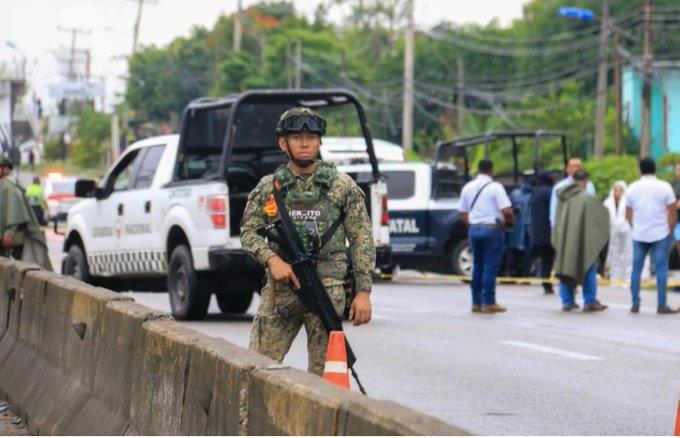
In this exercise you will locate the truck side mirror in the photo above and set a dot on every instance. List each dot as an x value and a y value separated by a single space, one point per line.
86 188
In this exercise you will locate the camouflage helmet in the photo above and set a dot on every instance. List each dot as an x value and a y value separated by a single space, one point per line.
298 119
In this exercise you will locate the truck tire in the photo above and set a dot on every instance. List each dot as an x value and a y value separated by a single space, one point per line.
75 264
460 258
234 302
189 298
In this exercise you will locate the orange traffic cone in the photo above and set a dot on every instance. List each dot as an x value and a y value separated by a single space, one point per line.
335 370
676 432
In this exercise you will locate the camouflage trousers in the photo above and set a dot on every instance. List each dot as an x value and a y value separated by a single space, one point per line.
272 334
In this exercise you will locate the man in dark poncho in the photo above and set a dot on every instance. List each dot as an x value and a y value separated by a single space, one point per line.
22 238
581 232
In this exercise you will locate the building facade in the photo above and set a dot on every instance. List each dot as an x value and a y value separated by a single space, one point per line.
664 113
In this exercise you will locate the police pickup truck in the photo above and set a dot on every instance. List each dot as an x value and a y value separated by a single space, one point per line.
170 207
426 232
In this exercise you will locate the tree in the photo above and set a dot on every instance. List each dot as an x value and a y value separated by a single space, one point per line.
93 132
162 81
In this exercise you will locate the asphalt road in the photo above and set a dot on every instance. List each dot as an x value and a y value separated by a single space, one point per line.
531 371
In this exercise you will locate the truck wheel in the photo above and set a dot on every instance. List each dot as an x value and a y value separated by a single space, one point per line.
461 258
75 264
237 302
189 299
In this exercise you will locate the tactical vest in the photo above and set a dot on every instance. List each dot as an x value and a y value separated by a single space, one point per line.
313 214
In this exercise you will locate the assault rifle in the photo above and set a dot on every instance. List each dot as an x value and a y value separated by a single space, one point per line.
312 292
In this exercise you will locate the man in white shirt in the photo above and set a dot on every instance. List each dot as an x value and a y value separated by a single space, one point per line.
650 210
573 164
485 207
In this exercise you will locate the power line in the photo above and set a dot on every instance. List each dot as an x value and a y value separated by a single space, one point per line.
453 37
590 31
514 52
521 111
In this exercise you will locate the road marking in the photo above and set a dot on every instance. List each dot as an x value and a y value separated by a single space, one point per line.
558 351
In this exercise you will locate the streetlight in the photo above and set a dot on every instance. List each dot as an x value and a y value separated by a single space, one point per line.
600 106
576 13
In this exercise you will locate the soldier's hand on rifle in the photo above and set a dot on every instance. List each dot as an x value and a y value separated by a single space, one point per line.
360 309
282 272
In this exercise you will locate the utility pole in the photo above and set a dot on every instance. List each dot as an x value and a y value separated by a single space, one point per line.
289 57
238 27
344 81
409 43
138 20
460 96
618 137
646 84
74 31
601 104
263 50
298 64
88 62
115 139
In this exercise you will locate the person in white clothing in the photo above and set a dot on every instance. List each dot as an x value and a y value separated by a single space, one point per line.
620 252
650 210
485 207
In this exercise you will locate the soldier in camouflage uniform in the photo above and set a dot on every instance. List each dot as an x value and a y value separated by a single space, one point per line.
316 194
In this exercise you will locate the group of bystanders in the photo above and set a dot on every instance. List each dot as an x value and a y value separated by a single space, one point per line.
563 227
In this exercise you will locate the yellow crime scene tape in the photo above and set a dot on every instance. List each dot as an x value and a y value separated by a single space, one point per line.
515 280
424 276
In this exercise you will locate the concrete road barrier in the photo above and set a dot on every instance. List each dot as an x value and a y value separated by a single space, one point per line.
217 388
76 359
119 348
159 383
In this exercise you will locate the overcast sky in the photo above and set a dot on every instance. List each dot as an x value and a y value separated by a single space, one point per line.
32 27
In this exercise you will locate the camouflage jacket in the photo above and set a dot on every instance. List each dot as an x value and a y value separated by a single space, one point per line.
321 197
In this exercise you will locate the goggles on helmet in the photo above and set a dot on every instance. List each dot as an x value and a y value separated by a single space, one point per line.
301 122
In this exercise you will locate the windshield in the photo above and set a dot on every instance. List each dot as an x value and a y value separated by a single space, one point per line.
68 186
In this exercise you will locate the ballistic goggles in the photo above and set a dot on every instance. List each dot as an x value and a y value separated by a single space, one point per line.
300 119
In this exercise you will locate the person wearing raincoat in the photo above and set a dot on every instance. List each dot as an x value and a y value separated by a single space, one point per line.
21 236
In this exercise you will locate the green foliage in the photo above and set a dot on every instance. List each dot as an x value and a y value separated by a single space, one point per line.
238 73
412 155
609 169
669 159
52 149
93 131
507 85
162 81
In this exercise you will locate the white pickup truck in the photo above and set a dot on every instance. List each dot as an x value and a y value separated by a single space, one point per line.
171 206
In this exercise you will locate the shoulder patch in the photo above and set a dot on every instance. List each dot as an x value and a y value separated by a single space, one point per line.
263 187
